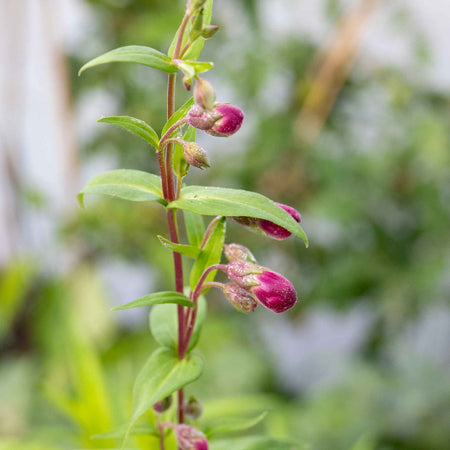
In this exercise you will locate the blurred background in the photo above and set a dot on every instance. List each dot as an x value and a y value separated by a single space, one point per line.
347 107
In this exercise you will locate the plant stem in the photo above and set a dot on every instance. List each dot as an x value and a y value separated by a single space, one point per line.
171 130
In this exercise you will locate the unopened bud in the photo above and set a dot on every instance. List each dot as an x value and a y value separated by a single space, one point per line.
201 119
241 299
195 155
190 438
204 94
193 408
275 231
163 405
229 123
236 252
243 273
187 82
209 31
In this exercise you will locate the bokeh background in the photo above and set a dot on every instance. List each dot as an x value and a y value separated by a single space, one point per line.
347 107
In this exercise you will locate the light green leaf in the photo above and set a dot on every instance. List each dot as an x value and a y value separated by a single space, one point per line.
196 48
179 114
190 134
158 298
187 250
135 54
136 430
231 424
162 375
214 201
195 228
164 324
135 126
126 184
210 254
252 443
200 66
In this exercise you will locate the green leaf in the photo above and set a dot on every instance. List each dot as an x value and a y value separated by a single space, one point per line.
158 298
164 324
200 66
214 201
187 250
252 443
179 114
196 48
135 54
135 126
162 375
231 424
190 134
126 184
136 430
210 254
195 228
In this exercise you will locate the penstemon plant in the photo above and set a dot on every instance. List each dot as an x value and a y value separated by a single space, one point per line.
177 316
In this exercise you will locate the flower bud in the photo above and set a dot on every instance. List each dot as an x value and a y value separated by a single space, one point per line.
204 94
163 405
230 121
275 231
193 408
209 31
195 155
236 252
241 299
271 289
200 118
190 438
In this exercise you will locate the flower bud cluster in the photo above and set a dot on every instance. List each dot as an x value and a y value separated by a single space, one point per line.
251 283
189 438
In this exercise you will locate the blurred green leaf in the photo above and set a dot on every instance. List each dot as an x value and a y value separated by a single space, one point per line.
164 324
252 443
136 430
134 54
135 126
126 184
200 66
162 375
210 254
216 201
158 298
195 228
187 250
231 424
178 115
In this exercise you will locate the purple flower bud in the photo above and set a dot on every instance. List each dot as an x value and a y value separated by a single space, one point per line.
163 405
193 408
275 231
200 118
241 299
190 438
229 123
195 155
270 288
236 252
204 94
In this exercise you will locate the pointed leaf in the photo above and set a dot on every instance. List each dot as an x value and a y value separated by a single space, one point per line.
200 66
210 255
164 324
162 375
231 424
126 184
135 126
179 114
195 228
158 298
196 48
134 54
213 201
187 250
137 430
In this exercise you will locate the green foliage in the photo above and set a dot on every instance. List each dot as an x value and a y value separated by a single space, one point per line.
195 228
134 54
216 201
126 184
164 325
179 114
186 250
135 126
252 443
231 424
158 298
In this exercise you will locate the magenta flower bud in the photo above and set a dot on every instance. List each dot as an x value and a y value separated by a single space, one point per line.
236 252
271 289
190 438
195 155
241 299
193 408
229 123
209 31
163 405
275 231
200 118
204 94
